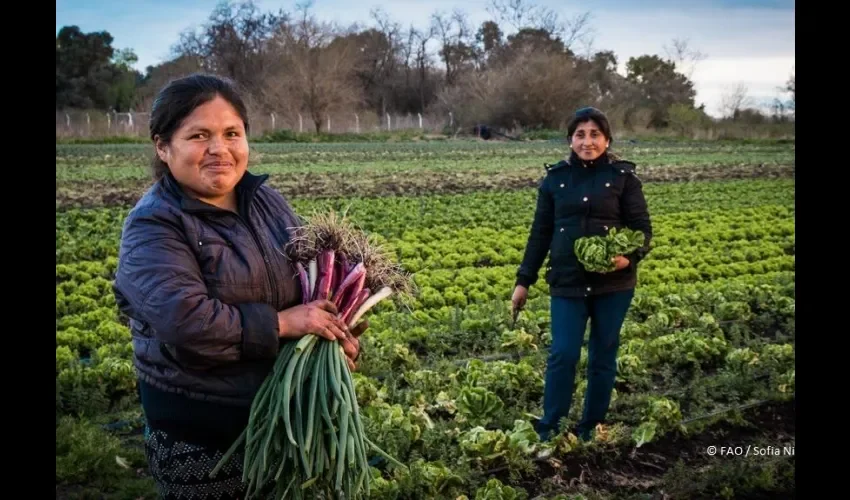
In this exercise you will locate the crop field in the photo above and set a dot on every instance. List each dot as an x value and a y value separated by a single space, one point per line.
446 385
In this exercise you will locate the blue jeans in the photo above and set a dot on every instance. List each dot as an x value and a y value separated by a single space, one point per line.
569 322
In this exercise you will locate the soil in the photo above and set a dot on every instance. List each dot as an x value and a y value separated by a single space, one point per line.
677 466
89 194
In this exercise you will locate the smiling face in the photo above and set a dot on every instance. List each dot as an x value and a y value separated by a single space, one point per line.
208 154
588 141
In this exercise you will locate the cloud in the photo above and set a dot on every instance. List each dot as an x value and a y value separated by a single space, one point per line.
740 45
720 33
749 41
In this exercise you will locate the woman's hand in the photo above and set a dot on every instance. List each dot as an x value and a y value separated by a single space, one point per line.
620 262
318 318
351 345
519 298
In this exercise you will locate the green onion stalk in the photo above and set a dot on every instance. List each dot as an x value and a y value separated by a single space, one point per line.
304 437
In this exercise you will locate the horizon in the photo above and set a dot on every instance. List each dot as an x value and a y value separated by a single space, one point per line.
745 42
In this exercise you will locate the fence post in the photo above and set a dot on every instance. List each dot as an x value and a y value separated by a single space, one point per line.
300 123
389 122
420 120
451 119
357 122
329 124
273 127
108 122
68 121
88 124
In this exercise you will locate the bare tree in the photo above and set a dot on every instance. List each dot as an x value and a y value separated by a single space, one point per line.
321 78
308 30
685 58
512 12
322 82
407 49
533 90
791 88
313 70
577 31
456 41
234 43
524 14
735 100
380 57
422 59
415 60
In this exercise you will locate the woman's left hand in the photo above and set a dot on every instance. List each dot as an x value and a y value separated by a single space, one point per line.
351 344
620 262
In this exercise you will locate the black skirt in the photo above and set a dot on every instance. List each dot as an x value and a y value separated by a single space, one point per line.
181 469
184 441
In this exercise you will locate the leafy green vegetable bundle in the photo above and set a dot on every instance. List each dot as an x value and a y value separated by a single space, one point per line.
596 253
304 437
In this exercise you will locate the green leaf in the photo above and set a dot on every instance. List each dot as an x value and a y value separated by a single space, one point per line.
644 433
596 253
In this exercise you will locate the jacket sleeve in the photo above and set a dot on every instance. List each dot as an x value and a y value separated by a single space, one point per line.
159 282
539 238
636 215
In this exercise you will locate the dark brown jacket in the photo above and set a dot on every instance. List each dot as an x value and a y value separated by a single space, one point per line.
203 286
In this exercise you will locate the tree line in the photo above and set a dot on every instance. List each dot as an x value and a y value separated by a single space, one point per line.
292 62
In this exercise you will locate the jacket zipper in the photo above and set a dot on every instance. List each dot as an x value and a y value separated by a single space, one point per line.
272 286
269 275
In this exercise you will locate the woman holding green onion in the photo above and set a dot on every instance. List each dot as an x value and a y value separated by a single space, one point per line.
587 194
207 288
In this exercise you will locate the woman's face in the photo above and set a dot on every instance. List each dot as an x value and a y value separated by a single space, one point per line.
208 154
588 141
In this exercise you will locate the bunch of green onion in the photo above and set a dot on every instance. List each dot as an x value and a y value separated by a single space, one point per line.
305 438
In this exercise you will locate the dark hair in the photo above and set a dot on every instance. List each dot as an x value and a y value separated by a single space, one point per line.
179 98
587 114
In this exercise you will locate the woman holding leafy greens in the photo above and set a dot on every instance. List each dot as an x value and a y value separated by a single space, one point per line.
585 197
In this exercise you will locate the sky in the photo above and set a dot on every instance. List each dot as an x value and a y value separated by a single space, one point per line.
743 42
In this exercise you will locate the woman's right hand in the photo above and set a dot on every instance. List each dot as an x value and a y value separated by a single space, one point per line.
318 318
519 298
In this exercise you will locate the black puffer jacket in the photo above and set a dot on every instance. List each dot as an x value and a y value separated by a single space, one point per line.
202 287
576 199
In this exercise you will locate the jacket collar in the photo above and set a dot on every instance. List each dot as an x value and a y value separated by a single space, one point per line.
246 190
574 159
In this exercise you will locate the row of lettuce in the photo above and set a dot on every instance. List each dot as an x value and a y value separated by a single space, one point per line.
687 351
450 387
93 234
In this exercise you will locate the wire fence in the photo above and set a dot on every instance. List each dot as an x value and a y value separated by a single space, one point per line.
94 124
91 124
